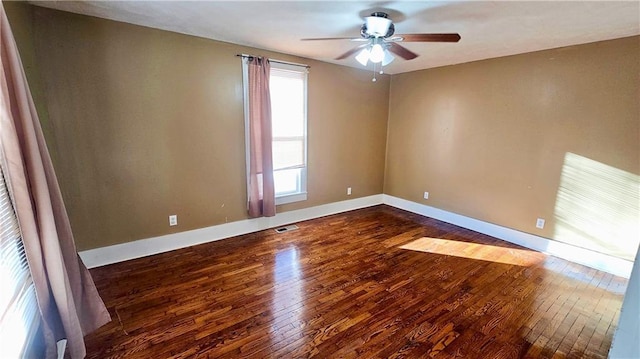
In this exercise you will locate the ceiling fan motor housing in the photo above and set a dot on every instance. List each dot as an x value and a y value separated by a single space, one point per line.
377 25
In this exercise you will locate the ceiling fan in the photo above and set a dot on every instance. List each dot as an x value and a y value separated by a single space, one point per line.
378 34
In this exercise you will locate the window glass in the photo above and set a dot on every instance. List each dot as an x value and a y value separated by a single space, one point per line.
288 121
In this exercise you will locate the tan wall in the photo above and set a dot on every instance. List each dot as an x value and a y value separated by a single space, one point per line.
488 139
148 123
20 15
145 123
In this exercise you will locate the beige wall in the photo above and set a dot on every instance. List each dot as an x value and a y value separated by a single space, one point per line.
144 123
488 139
20 15
148 123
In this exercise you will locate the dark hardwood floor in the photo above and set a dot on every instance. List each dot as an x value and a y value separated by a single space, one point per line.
342 286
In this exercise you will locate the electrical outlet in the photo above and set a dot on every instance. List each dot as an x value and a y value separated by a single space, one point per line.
540 223
348 191
426 195
173 220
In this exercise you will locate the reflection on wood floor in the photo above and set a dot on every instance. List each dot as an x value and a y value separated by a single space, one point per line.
342 286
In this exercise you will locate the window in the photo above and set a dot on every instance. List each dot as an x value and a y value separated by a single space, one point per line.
288 91
288 88
18 307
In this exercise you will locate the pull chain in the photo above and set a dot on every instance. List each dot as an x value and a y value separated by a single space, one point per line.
374 73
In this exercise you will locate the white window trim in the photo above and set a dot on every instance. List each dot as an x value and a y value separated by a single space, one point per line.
302 195
284 198
291 198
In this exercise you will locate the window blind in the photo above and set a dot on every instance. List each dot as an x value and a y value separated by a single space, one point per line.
18 306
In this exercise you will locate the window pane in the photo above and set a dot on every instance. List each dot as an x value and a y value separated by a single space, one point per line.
288 109
288 153
287 181
287 104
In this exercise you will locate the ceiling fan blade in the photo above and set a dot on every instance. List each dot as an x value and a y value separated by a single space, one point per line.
332 38
402 51
430 37
351 52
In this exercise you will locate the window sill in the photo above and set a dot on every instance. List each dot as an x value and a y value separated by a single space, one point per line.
290 198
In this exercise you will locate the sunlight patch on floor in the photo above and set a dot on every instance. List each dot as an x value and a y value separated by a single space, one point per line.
484 252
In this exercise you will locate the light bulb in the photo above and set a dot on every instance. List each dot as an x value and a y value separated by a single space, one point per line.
377 53
388 58
363 57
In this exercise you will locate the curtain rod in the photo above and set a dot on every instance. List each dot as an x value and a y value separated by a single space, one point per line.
278 61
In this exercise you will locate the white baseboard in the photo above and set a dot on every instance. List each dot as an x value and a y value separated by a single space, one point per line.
603 262
149 246
145 247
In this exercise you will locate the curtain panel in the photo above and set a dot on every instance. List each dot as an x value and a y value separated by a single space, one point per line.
68 301
261 191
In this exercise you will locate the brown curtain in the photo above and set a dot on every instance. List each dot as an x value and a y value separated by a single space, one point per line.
261 192
69 303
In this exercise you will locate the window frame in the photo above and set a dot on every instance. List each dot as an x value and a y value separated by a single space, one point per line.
301 194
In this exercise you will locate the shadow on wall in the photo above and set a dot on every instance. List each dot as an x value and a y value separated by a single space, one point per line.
598 207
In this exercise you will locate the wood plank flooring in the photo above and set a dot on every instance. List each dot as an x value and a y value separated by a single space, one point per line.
341 287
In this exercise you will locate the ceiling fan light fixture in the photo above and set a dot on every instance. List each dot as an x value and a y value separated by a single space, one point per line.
377 53
363 56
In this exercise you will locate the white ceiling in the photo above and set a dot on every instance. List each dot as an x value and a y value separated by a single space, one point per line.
488 28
